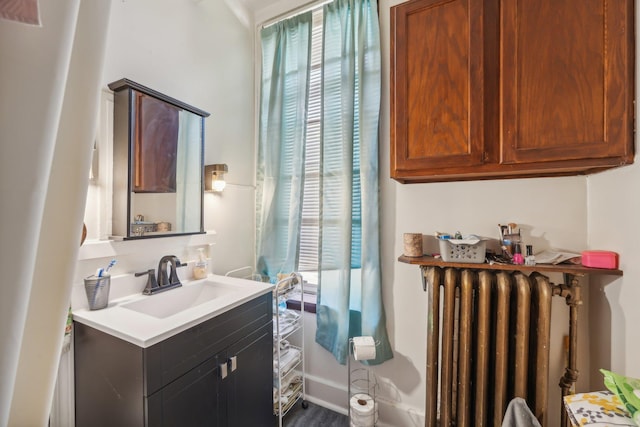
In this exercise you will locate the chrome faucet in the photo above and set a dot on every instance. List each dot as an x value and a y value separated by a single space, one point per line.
167 279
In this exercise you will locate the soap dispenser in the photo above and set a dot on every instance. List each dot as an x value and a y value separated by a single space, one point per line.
200 269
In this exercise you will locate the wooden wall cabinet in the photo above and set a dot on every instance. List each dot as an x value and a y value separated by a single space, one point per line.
486 89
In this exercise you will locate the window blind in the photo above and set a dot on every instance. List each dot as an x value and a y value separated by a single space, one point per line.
310 227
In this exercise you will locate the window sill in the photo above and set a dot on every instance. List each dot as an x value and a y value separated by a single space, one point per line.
309 303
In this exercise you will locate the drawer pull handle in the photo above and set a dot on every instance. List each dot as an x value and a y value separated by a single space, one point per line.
233 363
223 370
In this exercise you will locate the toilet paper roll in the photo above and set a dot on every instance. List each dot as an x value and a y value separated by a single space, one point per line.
363 410
364 348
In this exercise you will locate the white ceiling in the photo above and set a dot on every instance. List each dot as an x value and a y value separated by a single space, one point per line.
252 12
253 5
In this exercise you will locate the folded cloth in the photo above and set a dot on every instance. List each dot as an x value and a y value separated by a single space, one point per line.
289 314
287 322
284 348
287 382
287 395
283 353
288 361
600 408
519 415
285 281
285 327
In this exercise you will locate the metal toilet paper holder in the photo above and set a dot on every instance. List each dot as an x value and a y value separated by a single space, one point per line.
361 381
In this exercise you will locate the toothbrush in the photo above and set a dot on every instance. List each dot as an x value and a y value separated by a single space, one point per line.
111 264
102 271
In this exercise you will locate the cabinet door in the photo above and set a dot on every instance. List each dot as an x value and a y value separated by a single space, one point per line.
249 386
192 400
566 80
437 85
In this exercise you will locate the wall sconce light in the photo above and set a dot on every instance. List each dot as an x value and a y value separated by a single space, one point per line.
214 177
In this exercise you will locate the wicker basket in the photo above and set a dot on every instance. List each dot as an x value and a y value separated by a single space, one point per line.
454 252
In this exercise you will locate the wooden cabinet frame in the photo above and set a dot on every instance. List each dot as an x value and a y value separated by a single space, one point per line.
508 88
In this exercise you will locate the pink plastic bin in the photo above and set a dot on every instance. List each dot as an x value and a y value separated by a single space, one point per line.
600 259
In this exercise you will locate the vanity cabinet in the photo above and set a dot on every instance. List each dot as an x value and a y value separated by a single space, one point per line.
216 373
505 88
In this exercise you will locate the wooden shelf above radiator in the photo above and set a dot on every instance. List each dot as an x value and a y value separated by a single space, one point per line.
577 270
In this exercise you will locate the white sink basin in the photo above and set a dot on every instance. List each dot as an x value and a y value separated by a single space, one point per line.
180 299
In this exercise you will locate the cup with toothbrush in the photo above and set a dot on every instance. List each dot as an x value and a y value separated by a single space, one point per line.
97 287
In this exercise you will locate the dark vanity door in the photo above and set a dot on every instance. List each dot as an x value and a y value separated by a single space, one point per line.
249 384
207 396
192 400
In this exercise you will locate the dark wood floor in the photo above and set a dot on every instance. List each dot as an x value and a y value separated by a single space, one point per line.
314 416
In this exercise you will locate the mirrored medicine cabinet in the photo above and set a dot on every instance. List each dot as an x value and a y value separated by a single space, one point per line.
158 155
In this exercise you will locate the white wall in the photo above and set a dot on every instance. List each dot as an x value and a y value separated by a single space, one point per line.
183 50
614 209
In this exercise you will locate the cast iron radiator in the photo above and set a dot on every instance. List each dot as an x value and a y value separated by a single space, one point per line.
488 342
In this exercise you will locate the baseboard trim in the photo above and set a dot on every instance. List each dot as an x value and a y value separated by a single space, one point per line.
332 395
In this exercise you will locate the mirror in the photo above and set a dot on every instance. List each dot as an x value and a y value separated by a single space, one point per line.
158 152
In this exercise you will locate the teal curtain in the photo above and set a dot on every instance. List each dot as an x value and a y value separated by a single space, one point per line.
350 295
280 165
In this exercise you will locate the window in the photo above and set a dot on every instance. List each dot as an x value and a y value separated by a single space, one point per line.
320 104
308 261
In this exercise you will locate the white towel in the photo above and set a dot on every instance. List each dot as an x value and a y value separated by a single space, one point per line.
288 361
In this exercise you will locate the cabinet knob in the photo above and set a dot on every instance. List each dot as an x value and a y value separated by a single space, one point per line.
233 363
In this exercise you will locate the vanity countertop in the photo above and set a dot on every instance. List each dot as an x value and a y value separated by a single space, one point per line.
146 330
